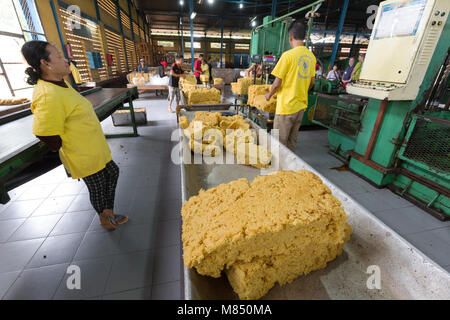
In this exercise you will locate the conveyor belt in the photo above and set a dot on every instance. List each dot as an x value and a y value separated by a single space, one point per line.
19 148
405 272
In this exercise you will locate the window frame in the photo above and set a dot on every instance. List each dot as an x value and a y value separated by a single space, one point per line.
36 15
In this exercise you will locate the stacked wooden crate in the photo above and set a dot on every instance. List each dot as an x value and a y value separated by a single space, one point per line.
143 51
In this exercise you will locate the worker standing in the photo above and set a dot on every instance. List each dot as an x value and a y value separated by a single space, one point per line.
143 67
175 74
255 67
162 73
347 76
357 69
66 122
333 75
294 77
210 70
162 69
205 70
198 68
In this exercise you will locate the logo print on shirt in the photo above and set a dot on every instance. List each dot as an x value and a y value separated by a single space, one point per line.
304 63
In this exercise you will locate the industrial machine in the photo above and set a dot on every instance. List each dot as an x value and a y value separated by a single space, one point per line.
270 38
402 139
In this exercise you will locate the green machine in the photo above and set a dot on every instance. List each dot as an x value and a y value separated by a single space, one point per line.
271 38
398 135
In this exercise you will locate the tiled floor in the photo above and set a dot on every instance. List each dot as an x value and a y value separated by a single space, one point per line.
50 225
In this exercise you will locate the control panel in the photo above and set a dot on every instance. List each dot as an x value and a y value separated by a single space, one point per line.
401 46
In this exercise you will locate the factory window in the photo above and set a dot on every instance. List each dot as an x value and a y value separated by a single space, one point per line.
115 48
84 39
19 22
109 6
131 55
197 45
216 45
125 20
242 46
168 44
345 50
135 31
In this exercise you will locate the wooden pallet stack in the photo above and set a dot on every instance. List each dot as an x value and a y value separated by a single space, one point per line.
158 54
143 50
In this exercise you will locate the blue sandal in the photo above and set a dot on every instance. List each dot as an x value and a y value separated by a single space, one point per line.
119 219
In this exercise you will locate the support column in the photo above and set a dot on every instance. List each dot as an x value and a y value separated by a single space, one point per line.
191 9
338 33
206 47
221 42
61 39
274 8
131 23
182 37
353 42
229 49
121 33
97 11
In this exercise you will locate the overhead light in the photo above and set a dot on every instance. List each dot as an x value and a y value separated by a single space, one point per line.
254 23
193 14
241 5
210 1
181 2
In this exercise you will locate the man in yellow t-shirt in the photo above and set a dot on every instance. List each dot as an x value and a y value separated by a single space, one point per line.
294 77
67 123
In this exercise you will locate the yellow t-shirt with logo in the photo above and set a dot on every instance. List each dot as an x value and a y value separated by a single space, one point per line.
64 112
296 67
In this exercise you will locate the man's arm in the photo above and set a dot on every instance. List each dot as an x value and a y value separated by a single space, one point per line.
311 85
176 75
274 88
53 142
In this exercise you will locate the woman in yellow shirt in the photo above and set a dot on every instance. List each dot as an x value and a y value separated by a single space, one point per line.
66 122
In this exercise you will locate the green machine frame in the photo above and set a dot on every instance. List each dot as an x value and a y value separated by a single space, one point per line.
389 129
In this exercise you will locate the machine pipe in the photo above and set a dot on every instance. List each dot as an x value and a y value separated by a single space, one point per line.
191 9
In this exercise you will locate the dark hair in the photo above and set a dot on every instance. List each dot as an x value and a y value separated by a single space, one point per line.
201 56
298 30
179 57
362 55
33 52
